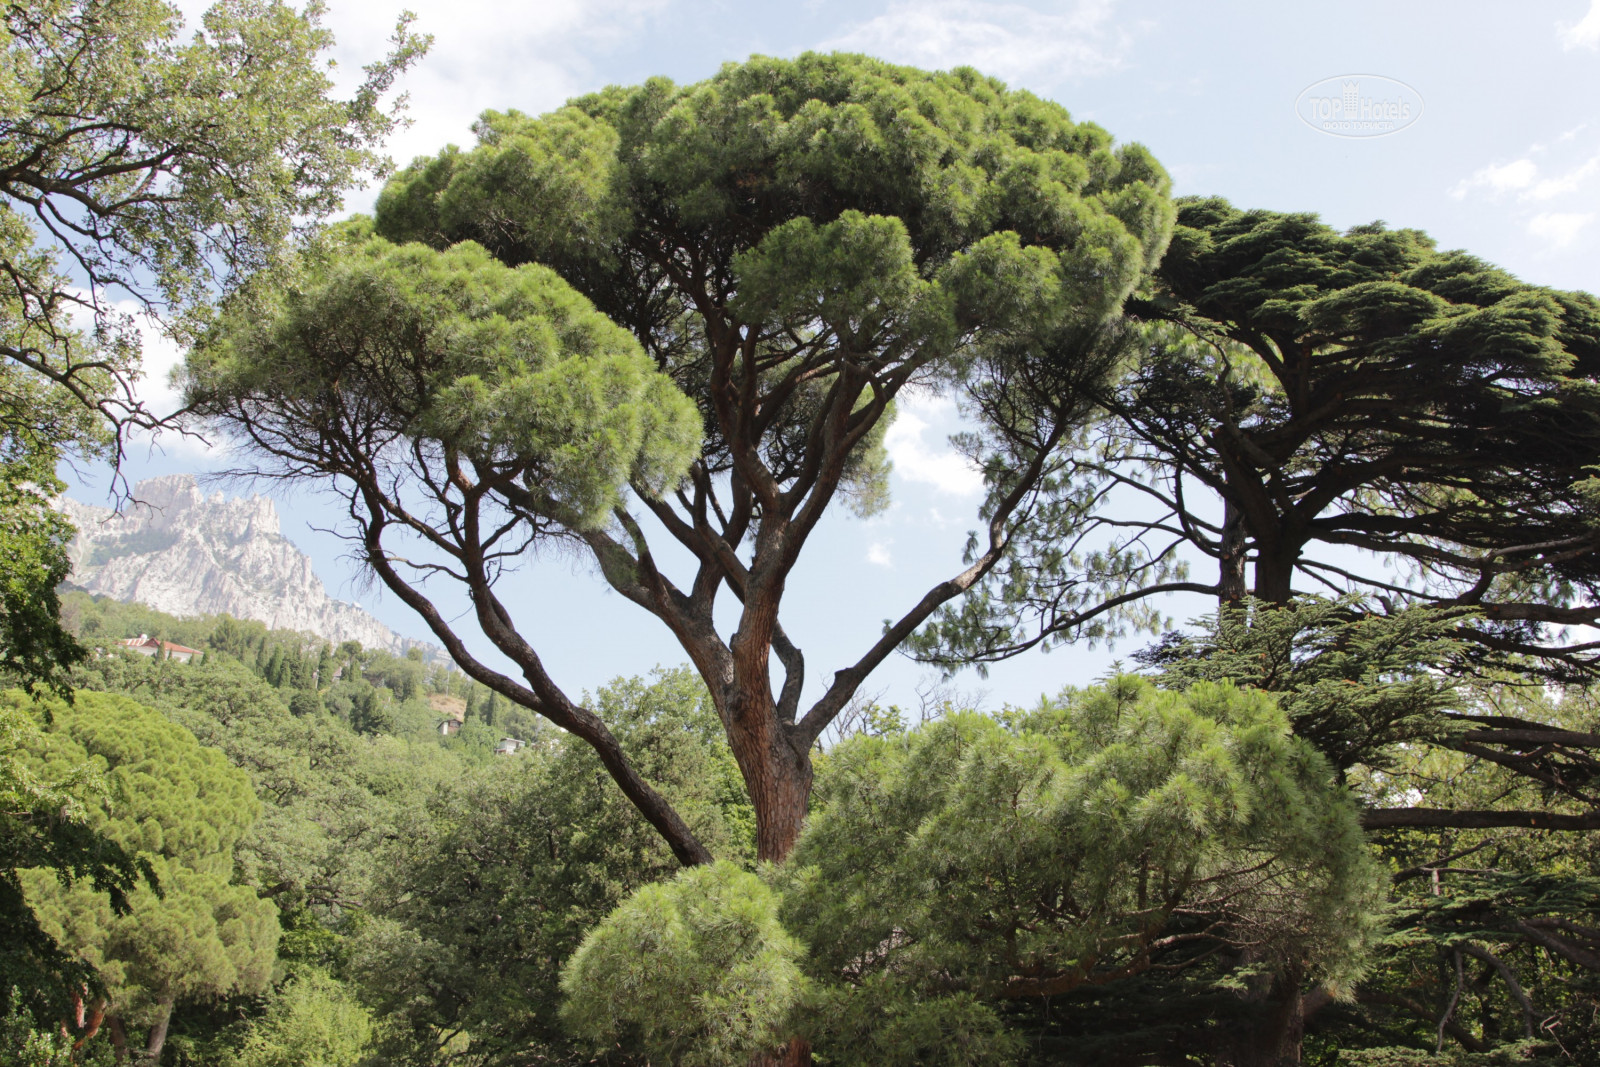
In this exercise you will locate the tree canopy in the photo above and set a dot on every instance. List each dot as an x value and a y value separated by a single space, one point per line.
791 243
139 173
143 171
45 826
695 971
664 330
1116 833
1304 393
430 891
182 808
489 888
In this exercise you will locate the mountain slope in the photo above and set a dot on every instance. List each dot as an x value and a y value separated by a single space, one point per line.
184 553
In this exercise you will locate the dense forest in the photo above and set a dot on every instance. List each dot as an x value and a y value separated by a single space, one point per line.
1346 818
353 887
339 806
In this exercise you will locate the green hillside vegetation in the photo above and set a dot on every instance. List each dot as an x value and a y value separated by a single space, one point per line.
1123 874
348 825
372 690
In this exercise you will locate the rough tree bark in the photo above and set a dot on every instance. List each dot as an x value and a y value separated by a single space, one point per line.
1271 1035
158 1031
1231 583
119 1038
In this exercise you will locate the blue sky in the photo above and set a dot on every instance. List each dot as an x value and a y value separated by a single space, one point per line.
1504 161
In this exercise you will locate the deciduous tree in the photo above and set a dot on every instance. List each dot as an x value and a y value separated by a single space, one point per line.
488 888
142 167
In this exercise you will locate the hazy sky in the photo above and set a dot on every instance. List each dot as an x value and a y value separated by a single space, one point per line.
1504 161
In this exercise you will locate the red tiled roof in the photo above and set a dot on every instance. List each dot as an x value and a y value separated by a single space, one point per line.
150 642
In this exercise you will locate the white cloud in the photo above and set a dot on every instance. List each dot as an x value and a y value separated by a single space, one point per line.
1518 174
1009 40
918 461
1565 183
532 57
1585 33
1559 228
159 357
878 554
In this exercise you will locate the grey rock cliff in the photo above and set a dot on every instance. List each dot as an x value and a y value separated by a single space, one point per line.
184 553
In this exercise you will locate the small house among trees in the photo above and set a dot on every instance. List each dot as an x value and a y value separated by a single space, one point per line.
146 645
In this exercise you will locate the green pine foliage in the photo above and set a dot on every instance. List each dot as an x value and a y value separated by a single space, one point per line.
46 828
1490 947
1491 930
700 301
430 893
696 972
271 857
312 1019
494 880
513 363
331 800
1355 682
182 808
1116 832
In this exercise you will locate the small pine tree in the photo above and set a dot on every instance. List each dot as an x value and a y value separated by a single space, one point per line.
696 971
300 670
274 672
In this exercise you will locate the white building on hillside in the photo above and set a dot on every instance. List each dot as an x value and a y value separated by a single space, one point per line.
146 645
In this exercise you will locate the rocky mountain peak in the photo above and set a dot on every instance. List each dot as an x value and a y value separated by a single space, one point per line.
186 553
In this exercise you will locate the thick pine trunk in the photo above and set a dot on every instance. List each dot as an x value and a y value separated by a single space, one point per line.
1231 588
158 1032
779 783
778 780
1275 573
1273 1035
779 820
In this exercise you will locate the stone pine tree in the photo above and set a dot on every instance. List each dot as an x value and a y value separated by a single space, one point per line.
45 827
182 808
1120 876
697 304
